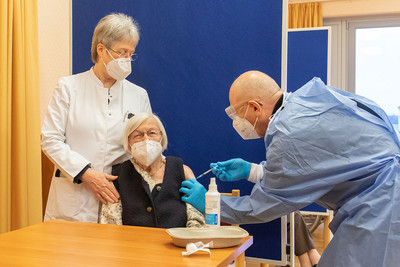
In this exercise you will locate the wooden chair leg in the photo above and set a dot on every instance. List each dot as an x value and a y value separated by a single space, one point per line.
327 231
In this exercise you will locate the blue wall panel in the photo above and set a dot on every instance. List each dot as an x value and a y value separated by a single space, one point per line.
190 52
307 57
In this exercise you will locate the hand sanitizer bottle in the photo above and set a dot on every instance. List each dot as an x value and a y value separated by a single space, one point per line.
213 200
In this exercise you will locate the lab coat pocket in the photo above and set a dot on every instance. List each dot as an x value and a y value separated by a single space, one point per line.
63 198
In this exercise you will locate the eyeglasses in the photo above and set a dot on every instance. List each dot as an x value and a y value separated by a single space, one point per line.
231 110
139 135
125 55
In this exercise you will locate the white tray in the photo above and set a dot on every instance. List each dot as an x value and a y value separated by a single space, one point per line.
222 237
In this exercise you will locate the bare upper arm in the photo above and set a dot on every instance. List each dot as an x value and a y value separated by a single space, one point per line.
188 172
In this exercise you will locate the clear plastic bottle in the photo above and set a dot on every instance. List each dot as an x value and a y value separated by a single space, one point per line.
213 201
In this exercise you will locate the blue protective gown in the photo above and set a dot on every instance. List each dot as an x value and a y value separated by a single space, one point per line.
324 147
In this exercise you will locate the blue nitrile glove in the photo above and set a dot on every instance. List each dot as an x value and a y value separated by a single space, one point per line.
231 170
196 194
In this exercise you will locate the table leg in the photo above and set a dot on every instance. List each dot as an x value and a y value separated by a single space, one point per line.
239 262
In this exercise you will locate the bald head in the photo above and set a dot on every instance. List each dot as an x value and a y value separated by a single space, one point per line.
254 85
261 94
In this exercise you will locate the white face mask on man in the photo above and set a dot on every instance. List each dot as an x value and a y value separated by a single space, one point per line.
146 152
244 128
118 68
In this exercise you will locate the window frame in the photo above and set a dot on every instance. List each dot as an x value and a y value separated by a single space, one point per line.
353 26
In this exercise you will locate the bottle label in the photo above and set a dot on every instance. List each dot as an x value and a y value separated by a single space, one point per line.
211 219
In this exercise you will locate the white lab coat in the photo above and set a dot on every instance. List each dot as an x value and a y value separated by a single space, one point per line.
83 127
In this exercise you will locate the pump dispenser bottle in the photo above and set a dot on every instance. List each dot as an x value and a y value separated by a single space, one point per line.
213 200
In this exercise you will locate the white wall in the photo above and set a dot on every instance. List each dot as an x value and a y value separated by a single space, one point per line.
353 8
54 46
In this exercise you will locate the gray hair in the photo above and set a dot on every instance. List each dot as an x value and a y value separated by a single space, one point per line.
112 28
135 122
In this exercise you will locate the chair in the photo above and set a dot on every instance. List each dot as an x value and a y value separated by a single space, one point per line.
234 193
327 218
327 232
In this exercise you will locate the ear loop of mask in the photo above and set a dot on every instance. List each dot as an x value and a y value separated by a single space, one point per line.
110 56
255 123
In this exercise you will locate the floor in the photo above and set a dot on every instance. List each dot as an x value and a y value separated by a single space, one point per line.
318 242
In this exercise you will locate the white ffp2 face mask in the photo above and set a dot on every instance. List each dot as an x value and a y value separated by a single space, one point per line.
244 128
146 151
118 68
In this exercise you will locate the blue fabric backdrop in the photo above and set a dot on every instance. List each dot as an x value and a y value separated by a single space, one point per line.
307 58
190 52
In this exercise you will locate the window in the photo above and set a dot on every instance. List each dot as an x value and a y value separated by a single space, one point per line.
366 60
377 67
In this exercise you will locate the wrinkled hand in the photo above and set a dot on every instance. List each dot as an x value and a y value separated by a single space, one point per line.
231 170
99 183
196 194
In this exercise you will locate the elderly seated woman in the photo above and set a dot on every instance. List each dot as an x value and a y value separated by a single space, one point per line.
149 183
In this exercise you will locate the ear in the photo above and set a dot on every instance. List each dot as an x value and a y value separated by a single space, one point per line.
255 106
100 49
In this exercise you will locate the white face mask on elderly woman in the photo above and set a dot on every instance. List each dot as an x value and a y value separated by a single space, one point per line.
146 152
118 68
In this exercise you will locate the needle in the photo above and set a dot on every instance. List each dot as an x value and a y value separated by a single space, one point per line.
204 173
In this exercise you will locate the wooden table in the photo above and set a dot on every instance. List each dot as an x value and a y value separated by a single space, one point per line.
61 243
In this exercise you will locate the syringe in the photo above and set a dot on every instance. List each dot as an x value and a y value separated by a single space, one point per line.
204 173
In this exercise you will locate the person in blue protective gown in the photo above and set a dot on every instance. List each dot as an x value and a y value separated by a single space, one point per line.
322 145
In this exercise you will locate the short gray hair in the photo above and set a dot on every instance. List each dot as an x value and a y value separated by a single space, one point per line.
112 28
135 122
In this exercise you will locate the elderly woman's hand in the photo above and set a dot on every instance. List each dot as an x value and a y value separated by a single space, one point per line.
100 185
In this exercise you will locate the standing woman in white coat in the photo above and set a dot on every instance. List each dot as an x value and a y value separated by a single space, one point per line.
85 120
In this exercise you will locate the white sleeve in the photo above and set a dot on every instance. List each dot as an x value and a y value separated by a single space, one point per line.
256 172
53 134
